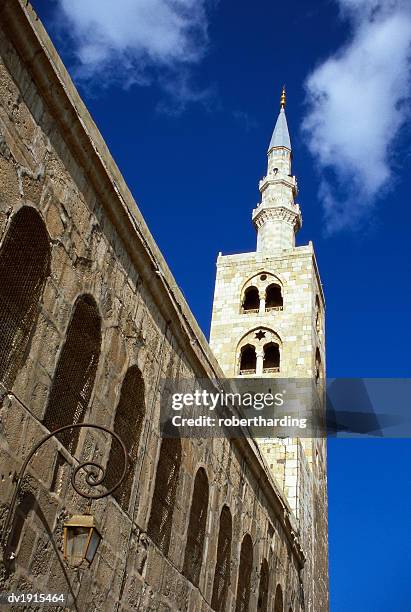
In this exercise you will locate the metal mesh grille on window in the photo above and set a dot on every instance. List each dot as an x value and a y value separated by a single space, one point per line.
263 588
222 568
128 424
162 507
244 575
24 268
196 528
75 373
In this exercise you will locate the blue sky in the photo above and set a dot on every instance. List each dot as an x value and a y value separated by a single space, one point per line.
186 102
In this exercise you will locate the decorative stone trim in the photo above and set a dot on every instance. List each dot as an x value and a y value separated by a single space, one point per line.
279 213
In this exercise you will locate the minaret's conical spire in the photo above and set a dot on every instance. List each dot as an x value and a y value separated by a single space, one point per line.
278 218
281 136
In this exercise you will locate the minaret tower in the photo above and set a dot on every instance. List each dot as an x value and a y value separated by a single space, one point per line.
278 218
268 322
275 290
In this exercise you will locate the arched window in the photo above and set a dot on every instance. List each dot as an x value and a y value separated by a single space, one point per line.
263 588
318 367
278 601
248 359
244 575
271 360
318 315
128 424
273 297
222 566
164 497
76 371
251 301
196 528
24 268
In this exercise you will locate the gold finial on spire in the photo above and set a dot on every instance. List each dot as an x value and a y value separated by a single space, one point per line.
283 98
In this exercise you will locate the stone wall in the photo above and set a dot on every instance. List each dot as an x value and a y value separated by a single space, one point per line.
54 160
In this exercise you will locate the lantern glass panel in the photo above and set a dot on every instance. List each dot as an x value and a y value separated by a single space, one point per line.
93 545
77 538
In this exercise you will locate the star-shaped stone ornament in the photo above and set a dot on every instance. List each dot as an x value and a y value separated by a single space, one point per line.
260 334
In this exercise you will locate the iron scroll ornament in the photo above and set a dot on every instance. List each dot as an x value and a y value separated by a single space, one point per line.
91 478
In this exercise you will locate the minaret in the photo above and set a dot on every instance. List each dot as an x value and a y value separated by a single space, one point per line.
278 218
268 322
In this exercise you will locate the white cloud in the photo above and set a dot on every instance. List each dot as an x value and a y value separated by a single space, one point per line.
137 41
358 99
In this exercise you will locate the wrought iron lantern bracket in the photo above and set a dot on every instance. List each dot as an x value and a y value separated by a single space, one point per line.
91 478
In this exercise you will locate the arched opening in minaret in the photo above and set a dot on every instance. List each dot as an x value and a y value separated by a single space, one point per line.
273 297
248 360
251 301
271 359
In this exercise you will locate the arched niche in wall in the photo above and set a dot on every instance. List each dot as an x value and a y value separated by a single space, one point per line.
223 562
74 377
128 424
25 256
278 601
244 575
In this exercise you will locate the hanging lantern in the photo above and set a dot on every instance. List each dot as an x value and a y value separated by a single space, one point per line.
81 539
